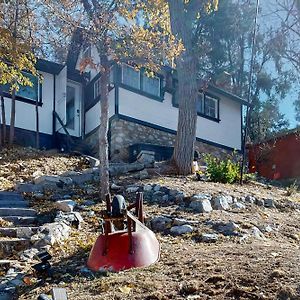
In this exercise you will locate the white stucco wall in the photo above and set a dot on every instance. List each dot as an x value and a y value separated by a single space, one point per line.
227 132
25 113
92 116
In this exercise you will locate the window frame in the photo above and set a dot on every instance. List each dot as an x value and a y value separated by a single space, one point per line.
139 77
97 88
203 115
140 90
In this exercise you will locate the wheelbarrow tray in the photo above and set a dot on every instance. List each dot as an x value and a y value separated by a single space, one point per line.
120 250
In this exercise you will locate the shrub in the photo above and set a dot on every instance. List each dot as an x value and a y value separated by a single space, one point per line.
225 171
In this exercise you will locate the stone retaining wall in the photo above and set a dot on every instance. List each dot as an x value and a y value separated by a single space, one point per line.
125 133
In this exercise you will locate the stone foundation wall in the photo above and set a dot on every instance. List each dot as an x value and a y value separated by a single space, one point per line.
124 134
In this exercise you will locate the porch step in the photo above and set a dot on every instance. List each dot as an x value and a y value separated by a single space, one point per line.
20 212
17 231
10 196
19 220
10 245
15 204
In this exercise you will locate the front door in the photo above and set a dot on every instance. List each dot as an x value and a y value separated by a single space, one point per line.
73 106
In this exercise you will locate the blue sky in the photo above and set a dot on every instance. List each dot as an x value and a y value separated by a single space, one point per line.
265 19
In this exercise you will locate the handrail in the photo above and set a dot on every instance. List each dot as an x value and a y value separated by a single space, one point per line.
63 126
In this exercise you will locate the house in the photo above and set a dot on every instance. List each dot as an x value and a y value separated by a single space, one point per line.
278 157
143 110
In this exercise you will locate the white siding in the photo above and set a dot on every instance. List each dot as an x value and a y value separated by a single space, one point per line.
92 116
96 60
25 113
227 132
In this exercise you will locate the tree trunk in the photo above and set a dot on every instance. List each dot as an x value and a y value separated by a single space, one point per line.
3 120
12 118
37 125
103 130
186 66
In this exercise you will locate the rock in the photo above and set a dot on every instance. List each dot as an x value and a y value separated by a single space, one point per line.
269 203
51 233
220 202
209 237
38 196
66 205
37 174
147 188
178 221
53 180
115 187
238 205
148 196
94 162
24 232
260 202
147 158
132 189
165 199
82 178
173 192
182 229
229 228
229 199
250 199
201 206
28 188
91 213
257 233
201 197
119 169
156 188
143 175
179 197
29 254
161 223
88 203
268 229
158 196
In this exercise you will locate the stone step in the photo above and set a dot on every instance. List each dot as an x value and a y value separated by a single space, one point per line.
11 196
18 220
10 245
21 212
18 231
15 204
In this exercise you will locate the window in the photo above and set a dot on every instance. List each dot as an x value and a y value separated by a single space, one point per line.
97 88
131 76
200 103
27 92
211 107
139 80
206 105
151 85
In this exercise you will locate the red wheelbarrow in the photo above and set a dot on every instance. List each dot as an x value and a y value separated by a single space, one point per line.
125 248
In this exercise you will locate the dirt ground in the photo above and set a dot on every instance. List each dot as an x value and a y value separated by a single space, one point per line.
19 164
231 268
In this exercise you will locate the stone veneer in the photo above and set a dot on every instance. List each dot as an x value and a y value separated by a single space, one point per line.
125 133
